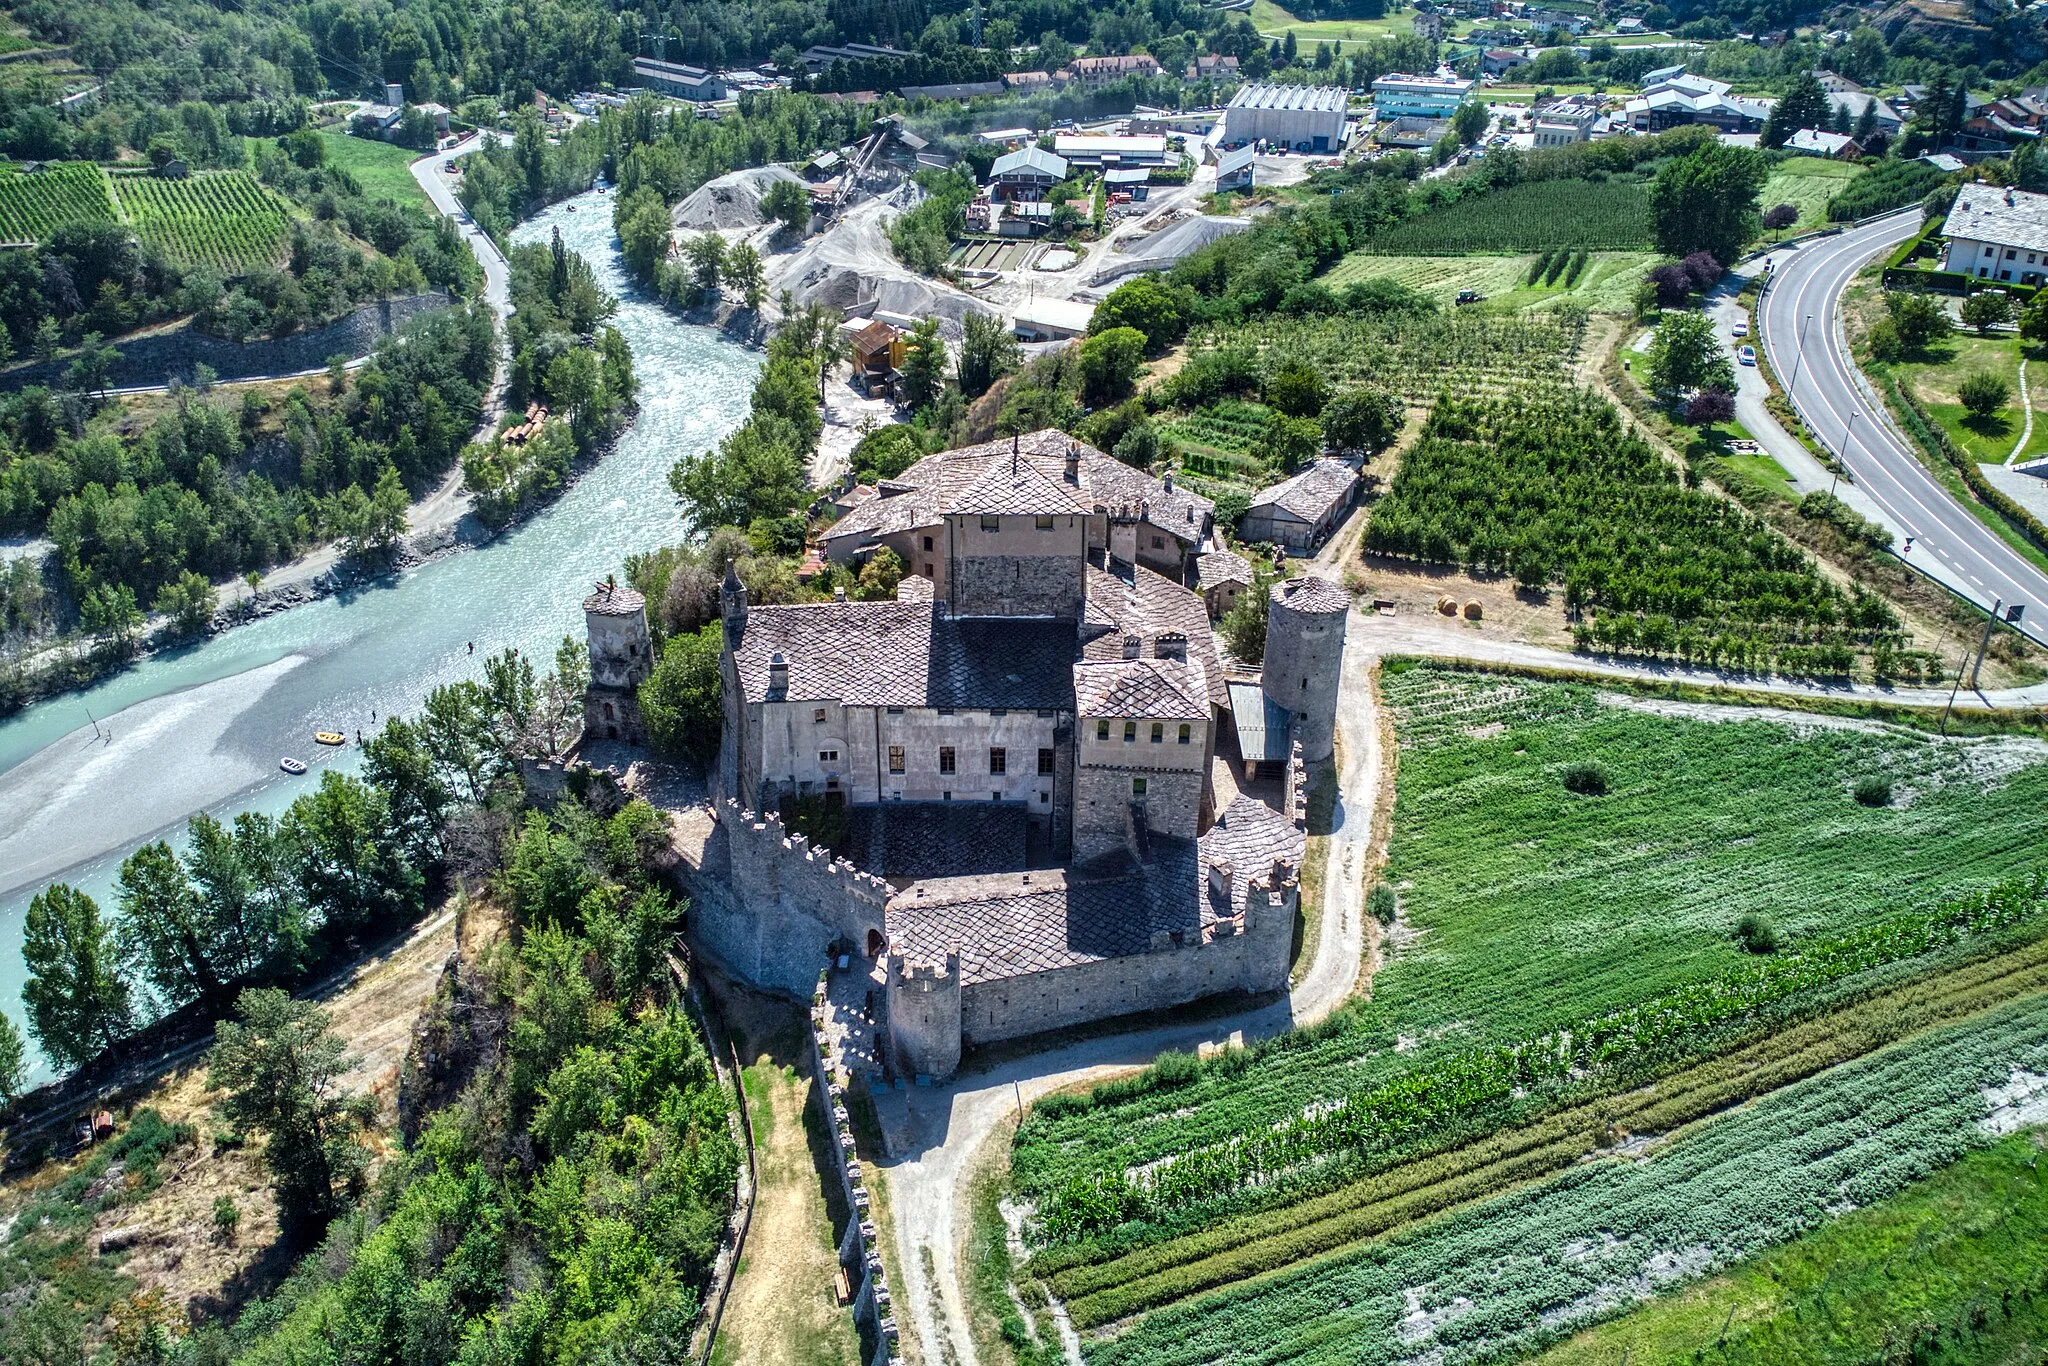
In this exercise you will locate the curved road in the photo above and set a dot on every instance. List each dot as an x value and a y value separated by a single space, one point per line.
1948 543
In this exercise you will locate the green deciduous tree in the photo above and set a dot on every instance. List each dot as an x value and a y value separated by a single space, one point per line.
341 851
924 364
78 1005
1706 201
1687 356
1916 316
755 472
787 202
1468 122
188 602
1110 362
987 353
1366 418
281 1068
743 272
680 701
1986 309
1154 305
706 253
1297 390
1983 393
12 1051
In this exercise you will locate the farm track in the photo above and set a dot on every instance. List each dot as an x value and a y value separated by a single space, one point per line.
1337 1222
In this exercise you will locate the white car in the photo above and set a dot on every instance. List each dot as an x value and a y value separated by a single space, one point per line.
1742 328
1747 355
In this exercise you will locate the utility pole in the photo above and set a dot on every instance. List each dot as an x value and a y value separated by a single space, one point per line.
1977 669
977 23
1843 458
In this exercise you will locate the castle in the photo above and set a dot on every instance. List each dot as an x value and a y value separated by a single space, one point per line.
1018 751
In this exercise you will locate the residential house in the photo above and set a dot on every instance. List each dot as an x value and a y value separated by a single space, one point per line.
1996 233
1092 71
1429 27
1499 61
1026 174
1220 577
1301 512
1821 143
1213 66
1848 106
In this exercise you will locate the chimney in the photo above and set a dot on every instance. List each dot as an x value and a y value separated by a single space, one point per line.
778 674
1170 645
1219 879
838 594
1133 645
1169 481
394 95
1073 462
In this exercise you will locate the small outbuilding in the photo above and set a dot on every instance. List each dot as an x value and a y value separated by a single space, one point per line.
1235 172
1301 512
1220 577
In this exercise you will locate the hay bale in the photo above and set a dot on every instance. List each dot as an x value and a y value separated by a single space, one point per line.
1473 610
1447 605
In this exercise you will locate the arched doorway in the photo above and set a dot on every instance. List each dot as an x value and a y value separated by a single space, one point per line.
876 944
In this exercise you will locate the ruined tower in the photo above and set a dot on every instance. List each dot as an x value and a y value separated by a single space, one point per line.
621 658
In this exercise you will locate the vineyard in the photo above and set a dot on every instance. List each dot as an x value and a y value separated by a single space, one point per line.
34 206
1550 487
1231 425
1602 215
1530 1265
1551 946
223 219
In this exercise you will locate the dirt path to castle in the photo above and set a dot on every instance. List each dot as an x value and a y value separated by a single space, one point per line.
935 1132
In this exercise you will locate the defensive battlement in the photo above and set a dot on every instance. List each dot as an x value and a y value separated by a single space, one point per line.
904 969
818 859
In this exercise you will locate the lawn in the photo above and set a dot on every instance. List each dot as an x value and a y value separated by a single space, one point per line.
380 167
1272 21
1933 378
1807 183
1972 1237
1608 284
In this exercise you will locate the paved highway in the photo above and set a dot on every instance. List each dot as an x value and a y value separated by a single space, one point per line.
1947 542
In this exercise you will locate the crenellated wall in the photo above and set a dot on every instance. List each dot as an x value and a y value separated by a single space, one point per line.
859 1254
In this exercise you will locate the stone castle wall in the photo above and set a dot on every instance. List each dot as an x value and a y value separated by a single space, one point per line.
860 1254
1016 586
769 904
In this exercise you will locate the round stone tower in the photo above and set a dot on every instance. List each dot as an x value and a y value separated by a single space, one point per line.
621 658
1304 658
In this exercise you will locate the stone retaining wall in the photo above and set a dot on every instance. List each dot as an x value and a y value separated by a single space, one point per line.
859 1254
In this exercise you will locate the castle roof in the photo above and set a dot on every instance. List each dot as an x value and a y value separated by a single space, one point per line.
1018 488
1153 689
1016 924
1134 601
1311 594
614 600
947 483
906 654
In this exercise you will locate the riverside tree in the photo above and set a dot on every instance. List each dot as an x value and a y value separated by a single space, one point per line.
78 1005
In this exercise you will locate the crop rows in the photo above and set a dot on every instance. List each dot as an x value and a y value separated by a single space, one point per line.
224 219
1530 907
1607 215
34 206
1237 1248
1420 358
1514 1272
1229 425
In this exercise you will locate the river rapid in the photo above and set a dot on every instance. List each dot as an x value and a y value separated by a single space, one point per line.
87 777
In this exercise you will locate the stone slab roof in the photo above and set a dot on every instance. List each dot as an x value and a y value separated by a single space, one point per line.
1151 689
937 484
906 654
1219 567
937 839
1018 488
1134 601
1016 924
1994 214
1311 594
1309 495
614 600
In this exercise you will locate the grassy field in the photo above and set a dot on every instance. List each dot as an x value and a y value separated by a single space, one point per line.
379 167
1807 183
33 206
1608 285
1934 377
223 219
1273 21
1972 1239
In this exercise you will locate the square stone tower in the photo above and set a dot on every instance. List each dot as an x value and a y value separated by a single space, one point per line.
621 658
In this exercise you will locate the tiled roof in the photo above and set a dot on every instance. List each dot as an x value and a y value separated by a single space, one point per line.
937 839
905 654
1311 594
2006 218
1310 494
1014 924
1152 689
1219 567
1135 601
937 482
614 600
1018 488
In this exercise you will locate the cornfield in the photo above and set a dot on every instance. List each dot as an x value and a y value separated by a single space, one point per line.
34 206
222 219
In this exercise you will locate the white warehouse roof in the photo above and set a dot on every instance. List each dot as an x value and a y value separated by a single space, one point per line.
1317 98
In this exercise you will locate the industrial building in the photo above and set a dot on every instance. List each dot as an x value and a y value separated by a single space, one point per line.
1307 118
673 78
1401 96
1089 150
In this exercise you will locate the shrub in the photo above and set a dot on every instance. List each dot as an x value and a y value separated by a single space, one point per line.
1383 903
1872 790
1587 778
1983 393
1709 406
1174 1068
1755 935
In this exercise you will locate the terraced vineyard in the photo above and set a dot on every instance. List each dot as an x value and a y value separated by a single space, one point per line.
34 206
1231 425
223 219
1556 950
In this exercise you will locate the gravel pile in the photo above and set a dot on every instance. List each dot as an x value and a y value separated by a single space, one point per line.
731 201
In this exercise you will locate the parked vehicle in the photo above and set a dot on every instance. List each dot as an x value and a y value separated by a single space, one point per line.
1747 355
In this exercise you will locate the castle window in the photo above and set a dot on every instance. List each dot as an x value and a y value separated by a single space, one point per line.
1186 732
995 796
1045 798
1304 684
946 796
1137 787
927 545
945 758
997 711
828 756
607 711
1102 729
895 758
1159 543
1045 761
895 711
817 715
990 522
1158 732
1042 523
945 711
998 759
1130 731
